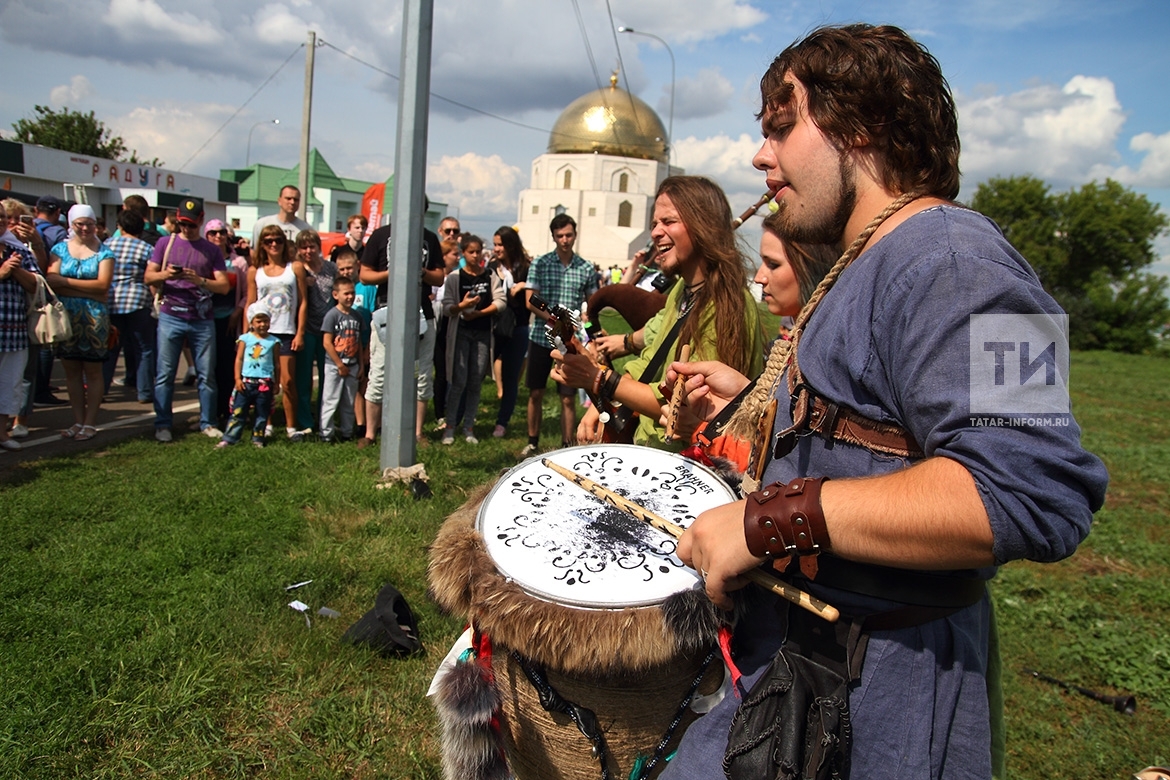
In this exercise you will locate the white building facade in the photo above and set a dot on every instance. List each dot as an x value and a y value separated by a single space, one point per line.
607 154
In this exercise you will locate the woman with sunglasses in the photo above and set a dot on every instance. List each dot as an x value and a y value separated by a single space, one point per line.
277 279
227 309
80 271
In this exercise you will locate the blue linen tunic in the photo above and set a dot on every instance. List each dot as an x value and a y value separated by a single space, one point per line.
891 341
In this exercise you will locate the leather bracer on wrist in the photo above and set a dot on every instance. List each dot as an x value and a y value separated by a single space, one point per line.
781 521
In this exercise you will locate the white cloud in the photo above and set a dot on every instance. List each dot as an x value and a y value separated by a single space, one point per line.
726 160
132 18
1060 135
707 93
174 133
690 21
476 187
1065 136
77 90
1154 170
275 24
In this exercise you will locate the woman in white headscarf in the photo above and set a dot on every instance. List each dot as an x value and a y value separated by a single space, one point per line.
80 271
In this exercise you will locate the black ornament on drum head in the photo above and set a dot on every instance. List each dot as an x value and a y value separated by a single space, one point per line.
562 544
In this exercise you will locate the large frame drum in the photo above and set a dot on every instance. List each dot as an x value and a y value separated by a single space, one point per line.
577 587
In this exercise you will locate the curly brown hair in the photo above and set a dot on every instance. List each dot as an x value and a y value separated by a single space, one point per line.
704 210
879 86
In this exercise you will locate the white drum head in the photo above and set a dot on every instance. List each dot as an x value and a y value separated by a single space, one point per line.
559 543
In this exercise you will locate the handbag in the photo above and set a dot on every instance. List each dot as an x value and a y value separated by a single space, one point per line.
158 296
48 320
505 323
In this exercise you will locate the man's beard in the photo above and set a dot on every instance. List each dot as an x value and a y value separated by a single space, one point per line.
823 226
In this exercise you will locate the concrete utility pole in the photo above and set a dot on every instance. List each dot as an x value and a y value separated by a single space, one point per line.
410 161
306 117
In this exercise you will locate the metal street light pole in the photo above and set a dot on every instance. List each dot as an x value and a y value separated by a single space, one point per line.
670 127
248 155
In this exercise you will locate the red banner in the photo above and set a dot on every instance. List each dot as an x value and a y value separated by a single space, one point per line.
373 206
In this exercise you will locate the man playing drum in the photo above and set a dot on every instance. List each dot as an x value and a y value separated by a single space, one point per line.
896 498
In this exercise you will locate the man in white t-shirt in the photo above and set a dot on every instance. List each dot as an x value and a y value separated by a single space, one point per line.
286 219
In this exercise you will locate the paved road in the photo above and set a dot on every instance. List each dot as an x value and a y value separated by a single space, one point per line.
121 417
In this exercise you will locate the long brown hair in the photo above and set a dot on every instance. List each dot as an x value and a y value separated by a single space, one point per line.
704 210
515 259
260 254
810 262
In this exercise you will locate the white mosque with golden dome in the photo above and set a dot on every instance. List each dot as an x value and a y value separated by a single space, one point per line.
607 154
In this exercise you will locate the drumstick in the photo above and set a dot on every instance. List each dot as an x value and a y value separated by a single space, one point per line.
677 396
774 584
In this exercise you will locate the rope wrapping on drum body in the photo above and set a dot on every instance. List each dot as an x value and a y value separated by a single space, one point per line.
583 718
586 721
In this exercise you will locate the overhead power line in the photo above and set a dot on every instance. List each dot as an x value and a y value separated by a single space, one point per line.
242 107
451 101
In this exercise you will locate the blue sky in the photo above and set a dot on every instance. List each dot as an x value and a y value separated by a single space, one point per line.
1066 90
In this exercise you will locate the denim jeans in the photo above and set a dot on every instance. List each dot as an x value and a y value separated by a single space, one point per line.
136 340
257 393
200 335
470 366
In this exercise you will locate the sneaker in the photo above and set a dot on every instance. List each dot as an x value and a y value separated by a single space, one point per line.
294 435
162 434
50 400
19 431
499 432
528 451
10 444
258 443
448 437
268 432
212 432
470 439
117 382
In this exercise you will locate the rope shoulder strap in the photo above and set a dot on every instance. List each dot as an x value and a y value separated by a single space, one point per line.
811 412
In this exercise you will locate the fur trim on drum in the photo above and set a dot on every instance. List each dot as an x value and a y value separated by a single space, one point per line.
464 581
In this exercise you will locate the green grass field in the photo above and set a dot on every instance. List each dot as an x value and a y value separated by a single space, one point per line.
144 630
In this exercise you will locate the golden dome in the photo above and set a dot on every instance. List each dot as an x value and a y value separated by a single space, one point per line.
609 121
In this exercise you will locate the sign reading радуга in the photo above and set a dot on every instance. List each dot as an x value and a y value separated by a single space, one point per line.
1019 369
